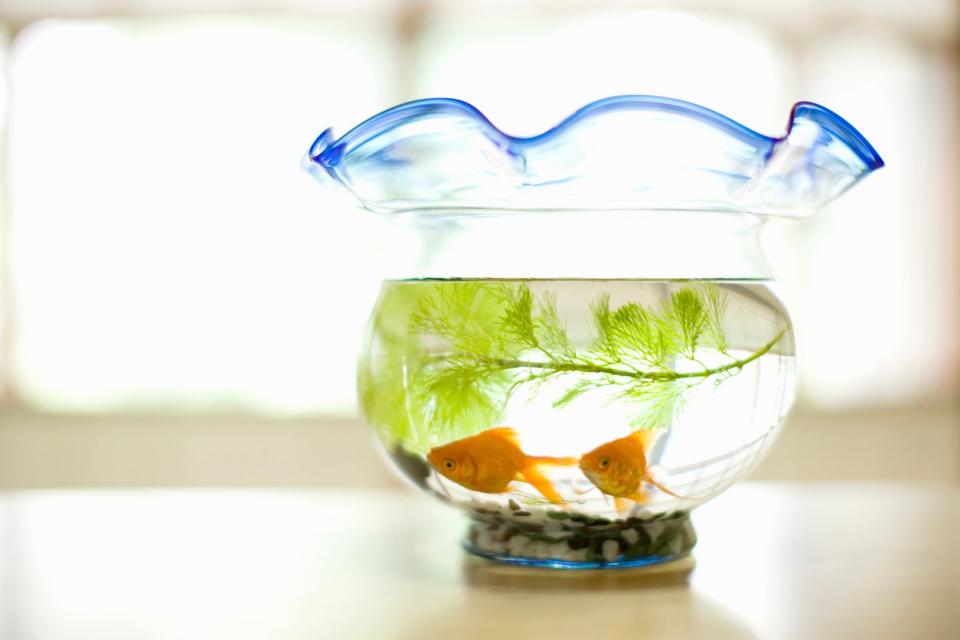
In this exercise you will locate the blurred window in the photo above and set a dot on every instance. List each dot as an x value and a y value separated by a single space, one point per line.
166 251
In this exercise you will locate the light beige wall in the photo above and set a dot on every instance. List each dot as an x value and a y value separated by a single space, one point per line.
144 451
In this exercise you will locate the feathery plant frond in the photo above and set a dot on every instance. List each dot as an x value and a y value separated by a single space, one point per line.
657 403
461 394
499 337
632 333
465 313
551 334
716 307
516 319
687 317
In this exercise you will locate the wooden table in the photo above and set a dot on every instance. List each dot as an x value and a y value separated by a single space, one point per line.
774 561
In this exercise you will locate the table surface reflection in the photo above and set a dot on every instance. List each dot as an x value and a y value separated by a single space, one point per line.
774 561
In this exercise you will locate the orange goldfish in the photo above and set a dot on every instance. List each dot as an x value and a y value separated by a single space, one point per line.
491 460
619 469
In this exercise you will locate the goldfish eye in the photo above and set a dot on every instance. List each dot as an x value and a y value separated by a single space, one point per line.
449 464
604 462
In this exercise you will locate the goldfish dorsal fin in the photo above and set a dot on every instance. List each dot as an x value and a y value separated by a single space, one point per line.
507 433
647 438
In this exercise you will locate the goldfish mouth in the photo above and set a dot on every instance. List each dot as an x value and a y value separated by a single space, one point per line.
438 479
591 476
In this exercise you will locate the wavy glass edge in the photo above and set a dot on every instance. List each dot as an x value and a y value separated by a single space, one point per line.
725 166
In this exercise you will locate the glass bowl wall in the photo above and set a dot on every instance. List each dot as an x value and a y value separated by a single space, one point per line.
578 389
577 339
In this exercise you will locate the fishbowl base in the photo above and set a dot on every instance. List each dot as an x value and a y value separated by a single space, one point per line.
569 540
553 563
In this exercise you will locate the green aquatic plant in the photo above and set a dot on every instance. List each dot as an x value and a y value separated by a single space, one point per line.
484 341
631 352
408 400
383 377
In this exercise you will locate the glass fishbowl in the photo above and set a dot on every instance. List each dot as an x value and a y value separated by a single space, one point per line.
577 340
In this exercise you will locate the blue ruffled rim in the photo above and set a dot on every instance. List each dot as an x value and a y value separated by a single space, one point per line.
838 126
327 152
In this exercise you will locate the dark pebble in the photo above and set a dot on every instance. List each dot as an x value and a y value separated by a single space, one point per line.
661 550
578 542
596 546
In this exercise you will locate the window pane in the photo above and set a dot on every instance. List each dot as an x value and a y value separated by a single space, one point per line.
168 249
528 71
880 287
5 289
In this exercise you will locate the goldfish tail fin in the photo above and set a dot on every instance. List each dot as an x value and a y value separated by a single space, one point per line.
556 462
541 483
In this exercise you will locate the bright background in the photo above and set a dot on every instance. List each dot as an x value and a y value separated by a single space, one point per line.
181 304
